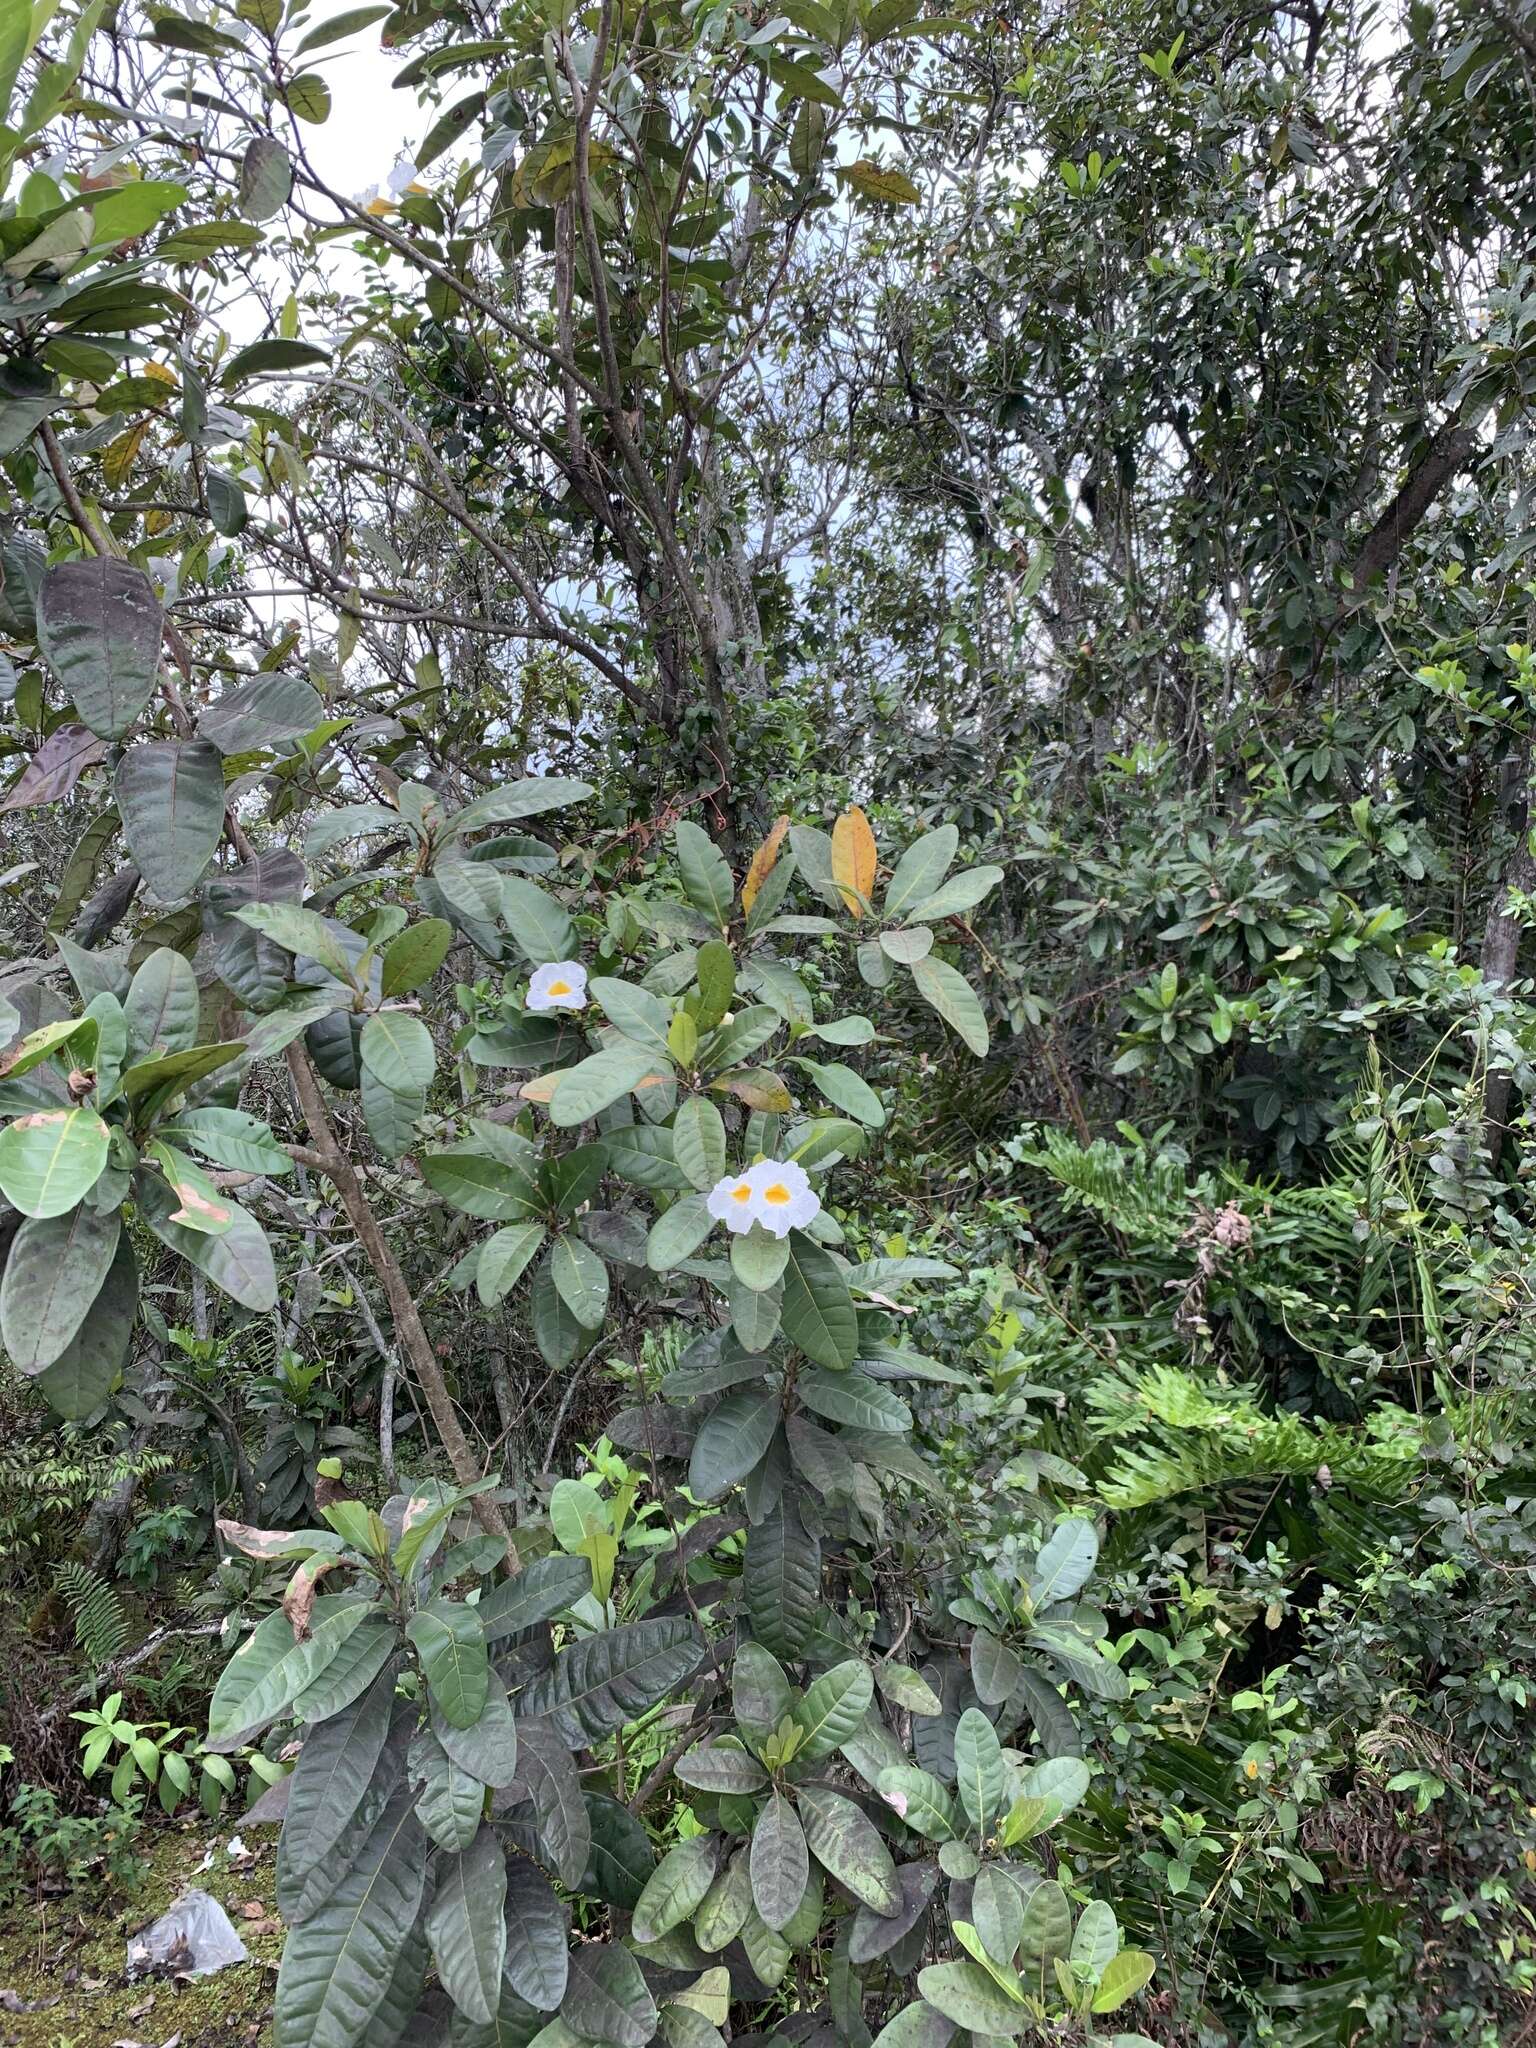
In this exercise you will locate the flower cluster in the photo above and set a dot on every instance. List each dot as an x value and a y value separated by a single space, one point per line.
776 1193
560 985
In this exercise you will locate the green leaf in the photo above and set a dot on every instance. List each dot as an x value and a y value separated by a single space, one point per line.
960 893
767 1952
848 1846
754 1316
782 1580
621 1857
487 1749
541 926
1082 1660
239 1262
607 2000
50 1158
504 1258
467 1928
596 1083
758 1259
847 1091
832 1708
413 956
83 1374
304 933
581 1279
760 1692
1065 1563
270 1669
450 1803
854 1401
920 870
1060 1783
170 796
1046 1929
918 2025
998 1913
99 624
266 178
698 1141
964 1993
707 880
634 1011
910 944
1096 1938
780 1865
955 1000
720 1767
994 1668
161 1006
906 1688
726 1907
397 1048
564 1830
675 1887
597 1683
530 798
1123 1977
352 821
731 1444
478 1185
979 1769
537 1964
920 1800
57 1267
347 23
818 1312
339 1962
543 1589
451 1645
229 1137
330 1783
677 1233
261 713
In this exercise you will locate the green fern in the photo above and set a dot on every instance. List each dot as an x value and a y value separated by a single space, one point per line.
100 1621
1192 1438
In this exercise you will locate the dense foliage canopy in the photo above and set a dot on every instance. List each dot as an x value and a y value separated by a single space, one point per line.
764 1156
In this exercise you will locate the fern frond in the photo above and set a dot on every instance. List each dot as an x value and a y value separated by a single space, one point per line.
100 1621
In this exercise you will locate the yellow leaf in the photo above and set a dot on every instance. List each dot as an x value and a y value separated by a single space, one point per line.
762 862
877 181
854 860
117 461
161 375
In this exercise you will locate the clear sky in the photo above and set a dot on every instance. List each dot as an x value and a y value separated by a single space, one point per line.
370 123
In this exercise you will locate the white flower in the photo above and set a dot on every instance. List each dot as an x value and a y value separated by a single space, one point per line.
402 177
733 1202
559 985
783 1198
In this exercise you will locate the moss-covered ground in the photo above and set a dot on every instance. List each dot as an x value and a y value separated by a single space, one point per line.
66 1958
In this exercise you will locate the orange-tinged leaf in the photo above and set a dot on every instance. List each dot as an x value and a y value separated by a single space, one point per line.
757 1087
539 1089
763 860
854 860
